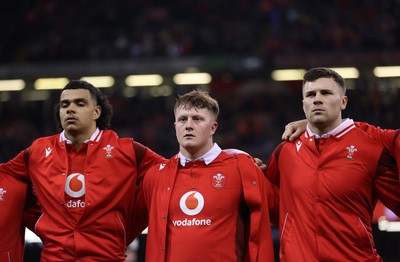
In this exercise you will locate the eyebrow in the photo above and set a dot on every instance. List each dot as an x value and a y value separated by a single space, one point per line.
76 100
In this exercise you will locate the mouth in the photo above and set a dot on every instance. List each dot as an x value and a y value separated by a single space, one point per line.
317 110
188 136
71 119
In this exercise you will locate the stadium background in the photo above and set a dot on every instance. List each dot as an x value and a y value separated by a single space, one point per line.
239 43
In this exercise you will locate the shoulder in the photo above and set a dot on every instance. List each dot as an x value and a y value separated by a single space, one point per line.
156 172
359 135
45 139
44 142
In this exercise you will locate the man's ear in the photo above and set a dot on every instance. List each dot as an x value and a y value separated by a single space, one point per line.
97 112
345 99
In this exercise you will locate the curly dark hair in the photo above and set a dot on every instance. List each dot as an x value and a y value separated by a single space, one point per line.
104 121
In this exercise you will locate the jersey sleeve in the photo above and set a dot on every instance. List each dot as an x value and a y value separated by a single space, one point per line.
32 210
17 167
145 159
387 185
272 170
389 138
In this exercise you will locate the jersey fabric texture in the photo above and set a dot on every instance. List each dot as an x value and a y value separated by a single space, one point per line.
388 137
12 199
327 198
217 211
18 209
113 167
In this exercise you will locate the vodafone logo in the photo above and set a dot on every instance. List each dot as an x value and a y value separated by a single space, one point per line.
192 203
75 185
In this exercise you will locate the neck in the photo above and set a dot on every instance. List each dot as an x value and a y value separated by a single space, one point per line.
77 139
194 154
322 128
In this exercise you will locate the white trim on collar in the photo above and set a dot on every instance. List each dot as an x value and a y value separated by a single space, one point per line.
95 137
207 157
339 131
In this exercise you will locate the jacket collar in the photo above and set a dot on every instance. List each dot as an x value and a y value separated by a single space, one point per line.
207 157
338 132
95 137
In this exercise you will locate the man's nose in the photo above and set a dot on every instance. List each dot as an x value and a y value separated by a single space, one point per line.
317 99
70 109
189 123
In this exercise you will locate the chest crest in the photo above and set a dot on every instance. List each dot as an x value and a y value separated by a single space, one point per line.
218 180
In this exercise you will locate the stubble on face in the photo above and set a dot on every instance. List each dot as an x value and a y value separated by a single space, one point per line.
323 101
194 130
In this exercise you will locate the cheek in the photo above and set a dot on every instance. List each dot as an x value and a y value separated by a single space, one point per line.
306 106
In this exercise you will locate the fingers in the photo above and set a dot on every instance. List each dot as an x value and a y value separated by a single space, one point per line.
260 164
288 133
297 133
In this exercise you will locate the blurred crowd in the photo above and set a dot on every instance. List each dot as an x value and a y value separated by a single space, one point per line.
30 30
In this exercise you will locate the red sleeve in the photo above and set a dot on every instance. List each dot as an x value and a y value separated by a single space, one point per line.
32 210
388 137
140 217
145 158
387 185
272 171
17 167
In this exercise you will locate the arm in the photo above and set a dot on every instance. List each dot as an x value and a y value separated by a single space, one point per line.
388 137
293 130
272 172
387 185
140 217
32 210
17 167
145 159
257 161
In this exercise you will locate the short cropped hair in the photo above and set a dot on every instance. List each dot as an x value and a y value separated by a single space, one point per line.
198 99
104 121
319 72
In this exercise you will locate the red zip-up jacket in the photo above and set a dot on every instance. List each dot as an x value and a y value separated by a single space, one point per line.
112 169
258 195
327 199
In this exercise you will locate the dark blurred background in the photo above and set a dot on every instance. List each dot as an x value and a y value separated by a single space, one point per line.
238 43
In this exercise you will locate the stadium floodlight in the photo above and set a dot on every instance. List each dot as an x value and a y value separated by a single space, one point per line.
144 80
12 85
387 71
50 83
100 81
288 74
192 78
347 72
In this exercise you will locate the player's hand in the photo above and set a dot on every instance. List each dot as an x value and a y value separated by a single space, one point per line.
260 164
293 130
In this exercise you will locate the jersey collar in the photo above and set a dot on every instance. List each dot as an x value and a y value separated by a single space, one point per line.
338 132
95 136
207 157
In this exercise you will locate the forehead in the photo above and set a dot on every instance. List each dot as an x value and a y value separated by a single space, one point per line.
73 94
322 83
183 110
